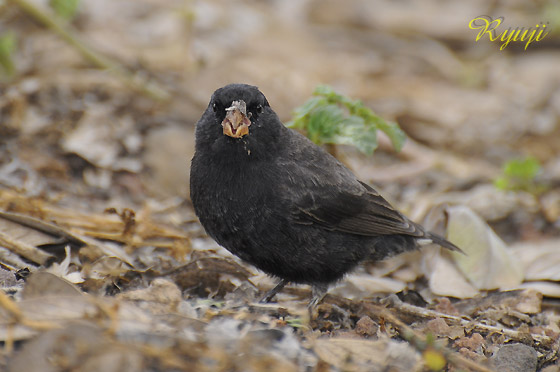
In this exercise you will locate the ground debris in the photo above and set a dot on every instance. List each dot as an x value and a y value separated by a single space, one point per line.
104 267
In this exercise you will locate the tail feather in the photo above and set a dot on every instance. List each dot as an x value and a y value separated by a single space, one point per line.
441 241
435 238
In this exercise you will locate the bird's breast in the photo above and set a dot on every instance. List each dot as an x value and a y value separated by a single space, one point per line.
228 195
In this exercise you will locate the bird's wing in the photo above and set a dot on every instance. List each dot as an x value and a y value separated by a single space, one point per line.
361 213
324 192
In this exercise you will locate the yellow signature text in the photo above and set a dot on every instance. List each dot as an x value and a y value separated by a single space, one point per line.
488 26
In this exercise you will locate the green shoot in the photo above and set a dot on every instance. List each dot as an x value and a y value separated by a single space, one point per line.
7 48
520 175
295 323
66 9
331 118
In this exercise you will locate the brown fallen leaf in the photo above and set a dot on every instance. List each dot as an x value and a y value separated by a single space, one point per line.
162 296
367 355
473 343
209 276
42 283
57 235
440 328
525 301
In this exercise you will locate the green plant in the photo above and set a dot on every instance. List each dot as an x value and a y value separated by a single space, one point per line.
295 322
7 48
331 118
520 175
65 9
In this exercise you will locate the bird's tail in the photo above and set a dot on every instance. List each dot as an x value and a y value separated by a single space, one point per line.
441 241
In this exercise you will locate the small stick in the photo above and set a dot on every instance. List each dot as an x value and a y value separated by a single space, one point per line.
23 249
417 340
426 313
51 21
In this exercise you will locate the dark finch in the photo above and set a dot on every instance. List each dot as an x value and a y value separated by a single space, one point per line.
276 200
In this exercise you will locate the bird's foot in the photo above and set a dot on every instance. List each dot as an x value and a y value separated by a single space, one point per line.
270 294
318 292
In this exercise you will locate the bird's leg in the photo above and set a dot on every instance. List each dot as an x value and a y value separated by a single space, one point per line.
318 292
270 294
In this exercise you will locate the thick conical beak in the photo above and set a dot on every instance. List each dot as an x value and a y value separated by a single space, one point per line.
236 123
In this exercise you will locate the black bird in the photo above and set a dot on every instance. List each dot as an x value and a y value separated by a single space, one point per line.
283 204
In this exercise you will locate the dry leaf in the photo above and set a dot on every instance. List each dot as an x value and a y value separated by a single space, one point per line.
367 355
43 283
488 264
541 259
163 296
444 278
365 285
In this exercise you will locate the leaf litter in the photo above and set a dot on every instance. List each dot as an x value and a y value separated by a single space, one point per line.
104 267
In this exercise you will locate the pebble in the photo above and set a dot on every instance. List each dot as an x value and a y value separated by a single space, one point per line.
515 358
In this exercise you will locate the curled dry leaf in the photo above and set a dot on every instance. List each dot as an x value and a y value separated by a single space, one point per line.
488 264
444 278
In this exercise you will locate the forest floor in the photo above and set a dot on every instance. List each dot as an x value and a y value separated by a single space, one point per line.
104 265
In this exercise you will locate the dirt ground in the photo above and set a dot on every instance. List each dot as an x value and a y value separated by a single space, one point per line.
103 263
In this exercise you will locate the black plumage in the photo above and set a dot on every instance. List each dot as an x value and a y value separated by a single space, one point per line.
276 200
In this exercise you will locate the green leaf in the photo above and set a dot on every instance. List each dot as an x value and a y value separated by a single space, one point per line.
520 175
331 118
323 122
354 131
301 113
394 132
7 48
501 183
525 169
65 8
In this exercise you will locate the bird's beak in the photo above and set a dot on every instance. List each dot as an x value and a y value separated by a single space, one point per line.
236 123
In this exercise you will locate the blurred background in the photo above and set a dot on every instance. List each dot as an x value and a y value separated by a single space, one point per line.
99 100
65 117
127 129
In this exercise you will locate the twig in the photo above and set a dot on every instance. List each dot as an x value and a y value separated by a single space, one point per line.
426 313
23 249
417 340
53 23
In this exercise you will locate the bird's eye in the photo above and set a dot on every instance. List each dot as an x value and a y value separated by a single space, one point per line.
214 107
259 109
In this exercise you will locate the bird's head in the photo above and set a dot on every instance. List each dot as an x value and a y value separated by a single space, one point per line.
238 114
